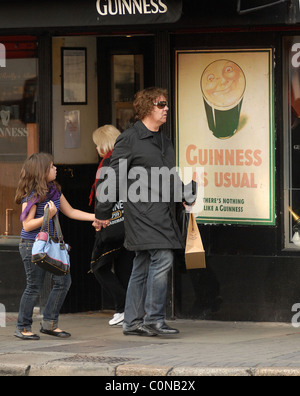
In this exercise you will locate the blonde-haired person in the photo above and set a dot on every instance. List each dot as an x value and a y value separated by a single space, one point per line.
112 263
105 138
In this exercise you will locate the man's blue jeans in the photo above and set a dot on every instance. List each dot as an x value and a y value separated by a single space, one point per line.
147 289
35 280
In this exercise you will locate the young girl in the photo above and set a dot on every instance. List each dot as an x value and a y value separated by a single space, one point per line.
36 190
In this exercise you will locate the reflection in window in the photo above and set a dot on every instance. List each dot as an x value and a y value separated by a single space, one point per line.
18 96
127 80
18 133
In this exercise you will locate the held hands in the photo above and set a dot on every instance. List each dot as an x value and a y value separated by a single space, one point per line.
99 224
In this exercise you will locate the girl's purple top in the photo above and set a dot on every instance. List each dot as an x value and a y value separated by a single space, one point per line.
39 213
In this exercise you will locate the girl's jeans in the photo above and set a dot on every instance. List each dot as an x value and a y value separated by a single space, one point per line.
35 280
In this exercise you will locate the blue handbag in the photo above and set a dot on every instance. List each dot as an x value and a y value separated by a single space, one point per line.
49 252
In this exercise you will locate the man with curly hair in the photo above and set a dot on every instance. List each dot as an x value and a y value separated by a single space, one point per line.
151 229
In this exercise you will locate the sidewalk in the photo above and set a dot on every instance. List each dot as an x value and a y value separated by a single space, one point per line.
202 348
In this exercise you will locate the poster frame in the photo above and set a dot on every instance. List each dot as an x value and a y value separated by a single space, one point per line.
270 218
73 87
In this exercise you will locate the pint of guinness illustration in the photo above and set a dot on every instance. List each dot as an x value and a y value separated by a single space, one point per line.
223 85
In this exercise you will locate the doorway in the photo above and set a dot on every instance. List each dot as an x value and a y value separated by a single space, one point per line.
125 66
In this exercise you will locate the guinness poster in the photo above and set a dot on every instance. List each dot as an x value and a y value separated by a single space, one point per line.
225 127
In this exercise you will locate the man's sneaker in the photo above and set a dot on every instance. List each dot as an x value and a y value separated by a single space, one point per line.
117 319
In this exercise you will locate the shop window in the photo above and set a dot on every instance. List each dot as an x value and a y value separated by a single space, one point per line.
18 125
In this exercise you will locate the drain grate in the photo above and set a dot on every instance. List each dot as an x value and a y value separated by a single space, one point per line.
94 359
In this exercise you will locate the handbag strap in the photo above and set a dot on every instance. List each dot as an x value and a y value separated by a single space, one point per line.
58 228
56 225
45 225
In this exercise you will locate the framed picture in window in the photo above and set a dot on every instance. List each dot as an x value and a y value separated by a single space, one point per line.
74 76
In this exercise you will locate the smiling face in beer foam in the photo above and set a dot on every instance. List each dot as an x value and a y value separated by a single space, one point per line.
223 83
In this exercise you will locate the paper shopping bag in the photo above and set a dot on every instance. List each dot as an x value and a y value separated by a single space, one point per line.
194 251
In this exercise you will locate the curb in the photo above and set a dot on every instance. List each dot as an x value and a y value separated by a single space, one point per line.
14 370
144 371
149 371
277 372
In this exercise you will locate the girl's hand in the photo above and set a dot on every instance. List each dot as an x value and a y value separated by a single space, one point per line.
99 224
52 209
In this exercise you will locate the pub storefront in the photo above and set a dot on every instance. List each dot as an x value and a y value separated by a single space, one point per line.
233 73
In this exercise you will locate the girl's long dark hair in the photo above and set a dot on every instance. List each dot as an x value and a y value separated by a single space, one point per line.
33 177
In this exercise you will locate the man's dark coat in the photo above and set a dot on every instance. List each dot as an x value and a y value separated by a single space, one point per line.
148 224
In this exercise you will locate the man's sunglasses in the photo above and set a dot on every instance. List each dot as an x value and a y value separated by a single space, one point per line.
162 104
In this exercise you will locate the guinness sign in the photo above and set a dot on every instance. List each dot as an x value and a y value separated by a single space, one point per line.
81 13
138 11
131 7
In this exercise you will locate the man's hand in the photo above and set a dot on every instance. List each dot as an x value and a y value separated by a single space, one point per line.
188 208
98 224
